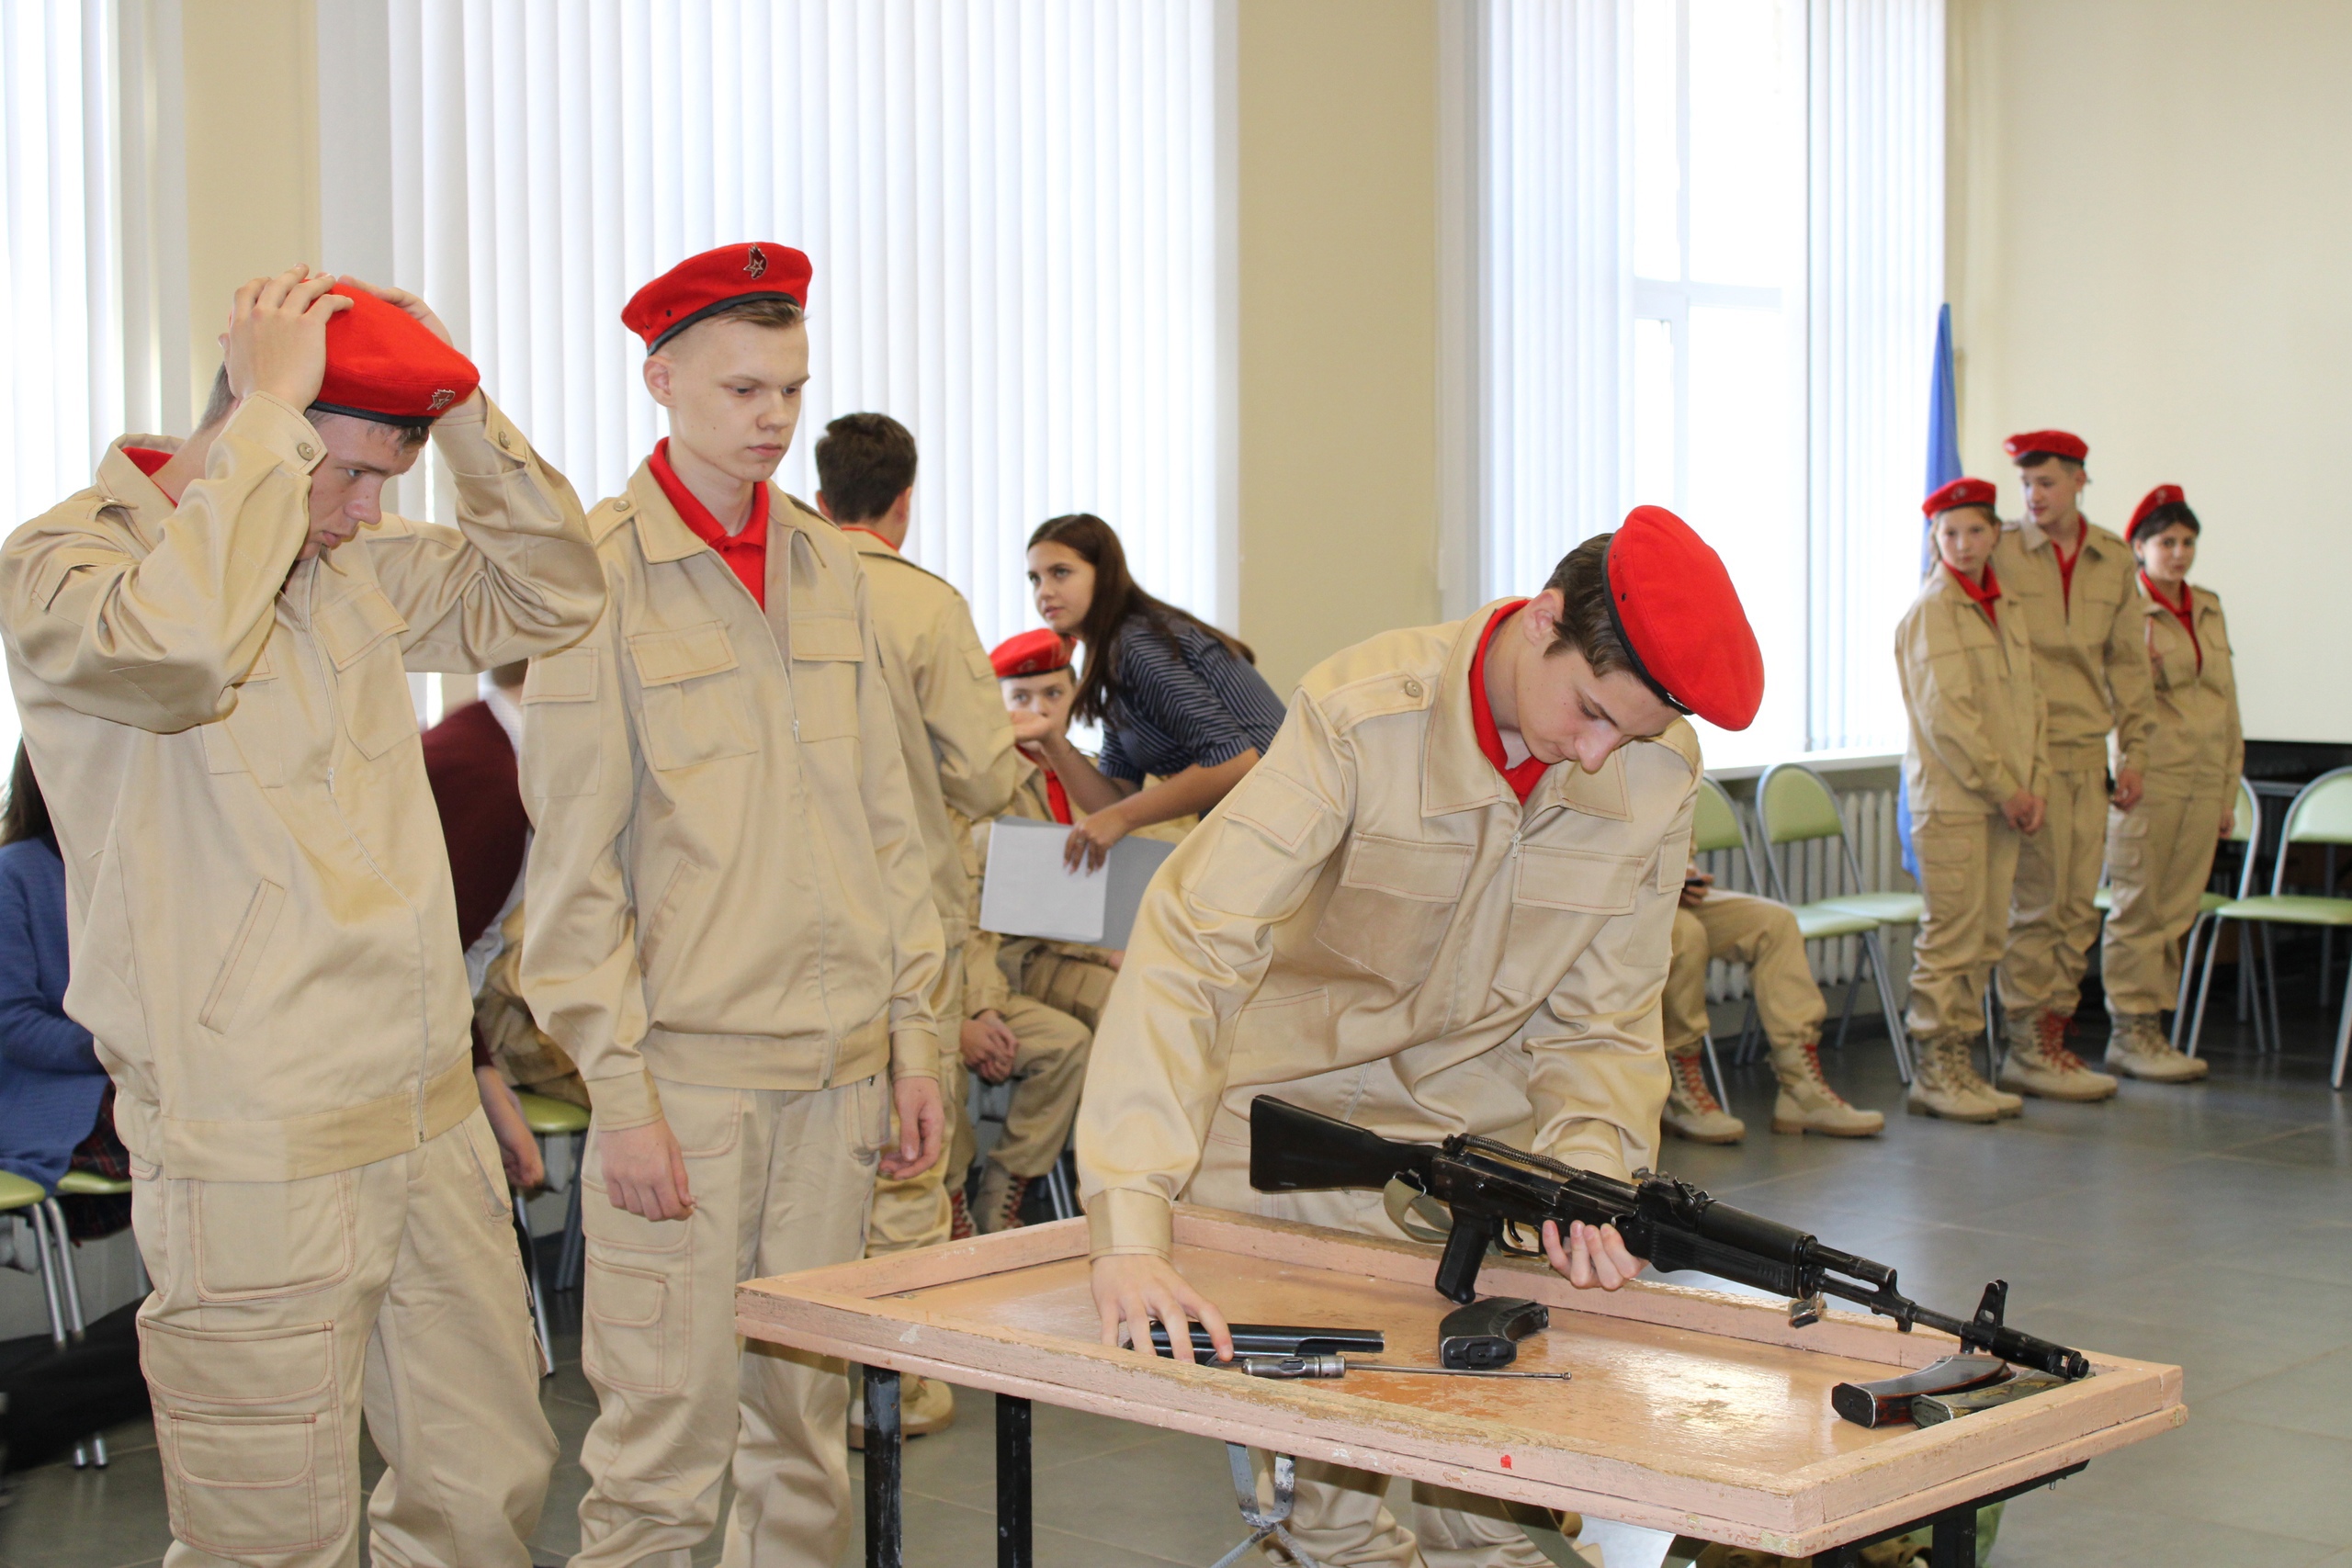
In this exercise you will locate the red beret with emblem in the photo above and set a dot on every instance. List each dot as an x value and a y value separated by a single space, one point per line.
385 365
701 285
2029 444
1962 493
1039 652
2155 500
1672 602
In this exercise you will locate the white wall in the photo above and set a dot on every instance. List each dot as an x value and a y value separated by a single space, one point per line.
2149 243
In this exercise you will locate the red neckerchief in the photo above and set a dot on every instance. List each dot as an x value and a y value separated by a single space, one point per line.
1523 778
150 462
746 554
2066 562
1056 797
861 528
2185 613
1983 598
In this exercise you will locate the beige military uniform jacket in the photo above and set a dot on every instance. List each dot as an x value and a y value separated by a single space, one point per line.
727 885
264 938
1371 925
1971 685
2195 746
949 710
2091 658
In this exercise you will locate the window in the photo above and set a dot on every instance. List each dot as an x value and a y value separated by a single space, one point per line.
60 391
1711 264
1010 203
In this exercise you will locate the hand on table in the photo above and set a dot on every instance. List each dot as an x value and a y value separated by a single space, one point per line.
922 1124
1133 1289
989 1046
1593 1255
645 1172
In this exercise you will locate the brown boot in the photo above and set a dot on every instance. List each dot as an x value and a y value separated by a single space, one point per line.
1807 1104
1693 1111
960 1217
999 1205
1944 1081
2136 1047
2040 1063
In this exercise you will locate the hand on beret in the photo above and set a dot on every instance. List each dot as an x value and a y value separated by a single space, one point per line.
278 335
406 301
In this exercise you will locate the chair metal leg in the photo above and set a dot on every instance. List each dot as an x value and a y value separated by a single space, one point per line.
532 1282
76 1326
1060 1195
2196 928
51 1264
2266 996
2343 1036
1707 1054
2205 983
1846 1019
1874 950
1751 1027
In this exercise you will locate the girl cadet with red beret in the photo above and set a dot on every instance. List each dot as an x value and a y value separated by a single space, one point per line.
2160 855
1441 904
1177 698
1974 768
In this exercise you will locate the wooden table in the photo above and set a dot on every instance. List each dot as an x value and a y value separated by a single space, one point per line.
1691 1410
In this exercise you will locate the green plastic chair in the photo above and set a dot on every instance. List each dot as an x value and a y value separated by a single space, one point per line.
61 1289
90 1184
2321 814
2244 827
1717 827
1794 806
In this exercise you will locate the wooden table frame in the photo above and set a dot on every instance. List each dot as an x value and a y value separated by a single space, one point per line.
858 1311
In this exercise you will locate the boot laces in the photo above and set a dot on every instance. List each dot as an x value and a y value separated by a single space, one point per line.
1008 1212
1811 1051
1690 1078
959 1218
2050 1039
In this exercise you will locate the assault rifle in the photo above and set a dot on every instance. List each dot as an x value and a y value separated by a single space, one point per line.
1500 1197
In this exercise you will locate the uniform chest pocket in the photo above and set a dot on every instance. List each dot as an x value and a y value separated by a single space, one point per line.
361 636
1394 901
826 653
250 741
693 694
1560 898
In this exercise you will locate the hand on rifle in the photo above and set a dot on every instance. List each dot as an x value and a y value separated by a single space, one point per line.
1593 1254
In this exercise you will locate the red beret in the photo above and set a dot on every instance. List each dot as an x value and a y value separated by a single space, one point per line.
385 365
1961 492
1039 652
2056 443
712 281
1672 602
2162 495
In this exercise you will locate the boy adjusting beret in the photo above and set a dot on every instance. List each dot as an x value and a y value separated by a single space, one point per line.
699 285
1961 492
1673 603
2162 495
2052 443
385 365
1038 652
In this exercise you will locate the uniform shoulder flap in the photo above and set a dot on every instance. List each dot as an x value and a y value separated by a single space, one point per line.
1394 673
1682 741
605 518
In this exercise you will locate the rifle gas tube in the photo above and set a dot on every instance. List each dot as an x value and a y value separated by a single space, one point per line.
1500 1196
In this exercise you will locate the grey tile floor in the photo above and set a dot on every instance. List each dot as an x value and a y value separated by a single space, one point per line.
2211 1226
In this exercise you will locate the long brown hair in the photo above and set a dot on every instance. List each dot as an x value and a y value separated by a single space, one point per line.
26 814
1117 598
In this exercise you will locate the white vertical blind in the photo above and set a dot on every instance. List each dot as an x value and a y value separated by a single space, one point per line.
60 383
1877 156
1558 281
1010 205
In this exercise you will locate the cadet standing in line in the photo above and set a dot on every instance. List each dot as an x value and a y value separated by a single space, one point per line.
1975 768
1504 802
2072 582
2160 855
729 929
210 650
1761 933
957 742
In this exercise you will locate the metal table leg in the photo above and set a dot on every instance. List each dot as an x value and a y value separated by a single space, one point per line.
885 1519
1013 1549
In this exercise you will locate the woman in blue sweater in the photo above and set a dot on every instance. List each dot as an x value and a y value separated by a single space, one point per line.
50 1084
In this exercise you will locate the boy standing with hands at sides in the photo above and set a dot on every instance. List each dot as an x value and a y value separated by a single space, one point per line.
2073 584
729 929
1975 767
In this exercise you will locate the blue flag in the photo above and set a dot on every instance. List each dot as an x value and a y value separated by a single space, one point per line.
1943 467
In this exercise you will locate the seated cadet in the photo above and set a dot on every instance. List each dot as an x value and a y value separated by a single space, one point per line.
730 930
1974 768
1743 928
1176 697
1505 804
211 649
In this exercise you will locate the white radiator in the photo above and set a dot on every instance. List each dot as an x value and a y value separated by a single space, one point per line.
1818 871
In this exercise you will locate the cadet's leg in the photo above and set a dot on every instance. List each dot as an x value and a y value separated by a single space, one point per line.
453 1372
2159 855
1962 863
2053 919
1048 1071
792 1463
1078 986
1763 935
1461 1530
1691 1111
253 1342
657 1342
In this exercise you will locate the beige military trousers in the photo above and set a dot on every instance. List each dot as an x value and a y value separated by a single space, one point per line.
911 1211
1049 1070
2052 920
1068 984
1342 1514
781 1180
1742 929
2159 857
1968 865
283 1310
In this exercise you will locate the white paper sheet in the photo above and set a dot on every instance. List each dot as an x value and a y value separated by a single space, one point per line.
1027 891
